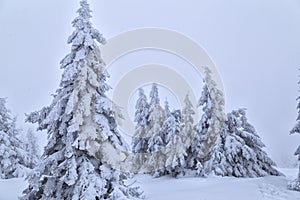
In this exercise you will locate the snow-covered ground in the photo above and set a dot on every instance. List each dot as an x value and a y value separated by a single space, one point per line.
212 188
216 188
12 188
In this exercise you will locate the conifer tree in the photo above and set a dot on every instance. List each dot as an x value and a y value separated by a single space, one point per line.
196 159
156 119
295 185
213 107
166 132
179 153
154 140
79 119
32 149
141 118
149 119
239 151
154 96
167 108
156 113
166 135
153 126
159 130
170 126
14 160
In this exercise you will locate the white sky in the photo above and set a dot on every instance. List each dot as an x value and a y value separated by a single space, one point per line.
255 45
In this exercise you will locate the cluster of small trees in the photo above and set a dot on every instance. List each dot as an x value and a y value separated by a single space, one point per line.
238 151
156 127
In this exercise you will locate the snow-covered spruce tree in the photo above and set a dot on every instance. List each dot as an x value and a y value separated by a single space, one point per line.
154 96
79 118
217 114
179 153
194 161
148 138
171 125
140 143
198 155
13 156
295 185
156 119
167 108
154 139
166 135
32 149
239 151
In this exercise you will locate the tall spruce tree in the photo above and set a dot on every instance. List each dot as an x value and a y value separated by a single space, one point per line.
217 113
80 118
194 161
154 136
14 159
295 185
200 151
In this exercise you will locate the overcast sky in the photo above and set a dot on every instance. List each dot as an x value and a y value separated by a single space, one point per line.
255 45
